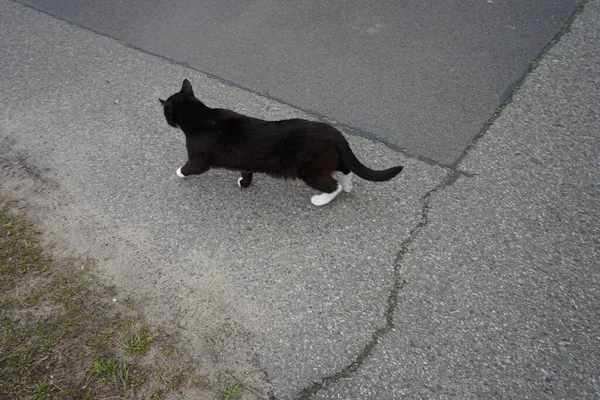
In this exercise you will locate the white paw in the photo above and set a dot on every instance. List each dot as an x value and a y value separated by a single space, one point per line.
320 199
346 182
179 174
324 198
240 182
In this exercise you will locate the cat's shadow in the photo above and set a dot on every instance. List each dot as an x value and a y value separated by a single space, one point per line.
218 189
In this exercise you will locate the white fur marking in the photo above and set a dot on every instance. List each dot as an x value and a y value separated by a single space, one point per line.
346 181
324 198
179 174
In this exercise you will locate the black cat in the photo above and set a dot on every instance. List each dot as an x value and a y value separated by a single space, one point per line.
291 149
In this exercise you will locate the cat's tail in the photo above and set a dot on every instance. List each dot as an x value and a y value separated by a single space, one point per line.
362 171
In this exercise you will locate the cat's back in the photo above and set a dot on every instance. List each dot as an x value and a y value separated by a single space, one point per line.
223 114
228 120
239 126
231 122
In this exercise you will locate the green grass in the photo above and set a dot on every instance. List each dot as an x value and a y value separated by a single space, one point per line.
61 336
135 338
232 392
103 337
104 367
43 391
20 251
123 374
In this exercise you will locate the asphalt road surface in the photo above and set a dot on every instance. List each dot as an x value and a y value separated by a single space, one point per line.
478 281
422 76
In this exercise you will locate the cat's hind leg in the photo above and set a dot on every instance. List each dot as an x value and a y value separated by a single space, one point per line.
346 182
345 177
245 180
326 184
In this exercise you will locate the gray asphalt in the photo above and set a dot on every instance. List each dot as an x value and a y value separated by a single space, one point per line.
422 76
502 298
479 282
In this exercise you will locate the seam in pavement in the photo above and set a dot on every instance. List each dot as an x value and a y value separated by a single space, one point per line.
451 176
512 89
353 131
350 130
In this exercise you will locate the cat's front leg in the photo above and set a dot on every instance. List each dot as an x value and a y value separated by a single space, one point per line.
193 167
245 180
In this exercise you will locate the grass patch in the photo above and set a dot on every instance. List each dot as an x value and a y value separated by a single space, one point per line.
44 390
62 336
135 337
20 251
104 367
232 392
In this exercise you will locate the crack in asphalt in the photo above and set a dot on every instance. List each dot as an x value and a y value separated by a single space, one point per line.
454 173
392 301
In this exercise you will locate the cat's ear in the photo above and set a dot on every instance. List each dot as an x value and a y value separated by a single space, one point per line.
162 101
186 88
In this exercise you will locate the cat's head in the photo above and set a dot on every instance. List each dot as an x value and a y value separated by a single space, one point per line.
170 105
